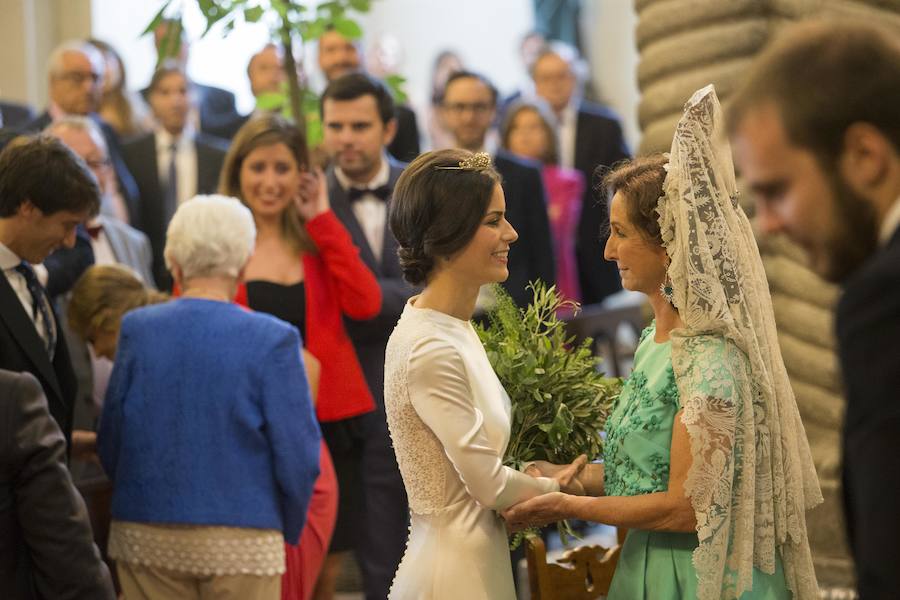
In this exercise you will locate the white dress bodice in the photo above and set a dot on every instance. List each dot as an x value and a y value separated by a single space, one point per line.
449 419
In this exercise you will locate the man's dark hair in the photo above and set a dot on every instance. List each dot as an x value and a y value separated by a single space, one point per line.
168 67
42 170
470 75
823 77
356 85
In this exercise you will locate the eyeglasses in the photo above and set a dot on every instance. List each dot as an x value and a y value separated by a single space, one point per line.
79 77
479 108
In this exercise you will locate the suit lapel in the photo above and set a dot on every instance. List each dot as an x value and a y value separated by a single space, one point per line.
26 336
340 204
119 248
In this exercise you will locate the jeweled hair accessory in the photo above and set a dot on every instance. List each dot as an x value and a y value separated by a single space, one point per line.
479 161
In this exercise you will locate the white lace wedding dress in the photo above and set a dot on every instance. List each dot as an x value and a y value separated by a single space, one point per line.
449 419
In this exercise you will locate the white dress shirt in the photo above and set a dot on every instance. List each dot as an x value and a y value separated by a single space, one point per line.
185 162
9 260
568 124
370 211
890 224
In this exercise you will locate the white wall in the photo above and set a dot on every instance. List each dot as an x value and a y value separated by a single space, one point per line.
608 28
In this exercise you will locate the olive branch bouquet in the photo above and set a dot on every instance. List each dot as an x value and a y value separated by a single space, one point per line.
560 400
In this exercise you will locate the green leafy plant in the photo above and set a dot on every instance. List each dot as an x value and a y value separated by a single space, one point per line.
560 399
288 20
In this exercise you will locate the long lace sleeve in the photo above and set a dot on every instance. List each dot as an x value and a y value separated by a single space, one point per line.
440 393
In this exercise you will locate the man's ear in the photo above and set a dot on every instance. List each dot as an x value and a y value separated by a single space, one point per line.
28 210
390 130
864 162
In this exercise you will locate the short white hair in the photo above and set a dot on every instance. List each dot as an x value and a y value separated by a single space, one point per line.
210 236
54 62
78 123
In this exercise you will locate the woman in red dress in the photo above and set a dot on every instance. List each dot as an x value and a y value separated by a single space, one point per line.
306 271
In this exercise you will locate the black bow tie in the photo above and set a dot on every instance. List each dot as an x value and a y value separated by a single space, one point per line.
382 193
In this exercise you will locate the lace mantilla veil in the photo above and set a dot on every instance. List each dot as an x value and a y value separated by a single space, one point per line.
752 476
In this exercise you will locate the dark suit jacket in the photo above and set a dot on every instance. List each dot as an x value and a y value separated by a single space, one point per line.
868 323
15 115
65 265
22 349
46 547
370 337
127 185
598 142
405 145
531 257
140 156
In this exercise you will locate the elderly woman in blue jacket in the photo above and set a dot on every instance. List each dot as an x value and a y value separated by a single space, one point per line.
208 432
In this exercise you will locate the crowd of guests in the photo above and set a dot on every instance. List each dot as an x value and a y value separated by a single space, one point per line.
193 302
309 247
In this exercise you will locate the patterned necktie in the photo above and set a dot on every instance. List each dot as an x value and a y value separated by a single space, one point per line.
40 304
171 195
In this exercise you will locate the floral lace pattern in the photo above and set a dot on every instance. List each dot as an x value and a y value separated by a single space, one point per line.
752 476
198 550
642 419
419 452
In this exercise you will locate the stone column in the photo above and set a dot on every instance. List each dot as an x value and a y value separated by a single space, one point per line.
684 45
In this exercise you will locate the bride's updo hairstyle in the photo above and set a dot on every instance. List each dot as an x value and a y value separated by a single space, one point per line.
438 205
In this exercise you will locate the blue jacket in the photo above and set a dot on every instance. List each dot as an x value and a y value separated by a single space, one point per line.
208 419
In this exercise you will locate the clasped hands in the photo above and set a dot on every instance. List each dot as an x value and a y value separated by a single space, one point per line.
547 508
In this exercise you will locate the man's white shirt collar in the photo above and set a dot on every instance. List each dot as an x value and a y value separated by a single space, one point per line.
890 224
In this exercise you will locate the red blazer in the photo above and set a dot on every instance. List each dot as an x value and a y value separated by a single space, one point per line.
337 283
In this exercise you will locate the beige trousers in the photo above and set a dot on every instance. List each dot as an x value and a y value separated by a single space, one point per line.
153 583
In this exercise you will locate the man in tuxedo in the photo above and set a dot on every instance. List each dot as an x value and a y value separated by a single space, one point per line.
173 163
469 106
824 168
46 547
45 192
76 82
215 107
358 118
590 136
338 56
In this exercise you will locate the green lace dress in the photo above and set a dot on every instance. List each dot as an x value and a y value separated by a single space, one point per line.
655 564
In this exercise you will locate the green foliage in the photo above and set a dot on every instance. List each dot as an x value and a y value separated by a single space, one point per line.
287 19
560 399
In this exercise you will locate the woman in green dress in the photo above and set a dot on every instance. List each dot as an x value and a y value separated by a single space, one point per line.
706 461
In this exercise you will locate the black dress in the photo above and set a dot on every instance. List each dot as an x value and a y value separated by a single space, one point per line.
288 303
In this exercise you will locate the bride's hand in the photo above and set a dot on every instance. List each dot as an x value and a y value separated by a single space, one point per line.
537 512
565 475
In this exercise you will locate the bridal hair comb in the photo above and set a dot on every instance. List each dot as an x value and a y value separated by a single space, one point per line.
479 161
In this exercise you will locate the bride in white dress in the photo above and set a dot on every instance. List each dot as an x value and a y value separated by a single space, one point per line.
449 416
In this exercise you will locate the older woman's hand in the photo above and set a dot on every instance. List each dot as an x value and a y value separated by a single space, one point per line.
312 196
566 475
538 511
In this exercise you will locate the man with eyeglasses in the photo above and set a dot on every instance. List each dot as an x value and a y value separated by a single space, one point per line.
590 136
469 106
75 71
